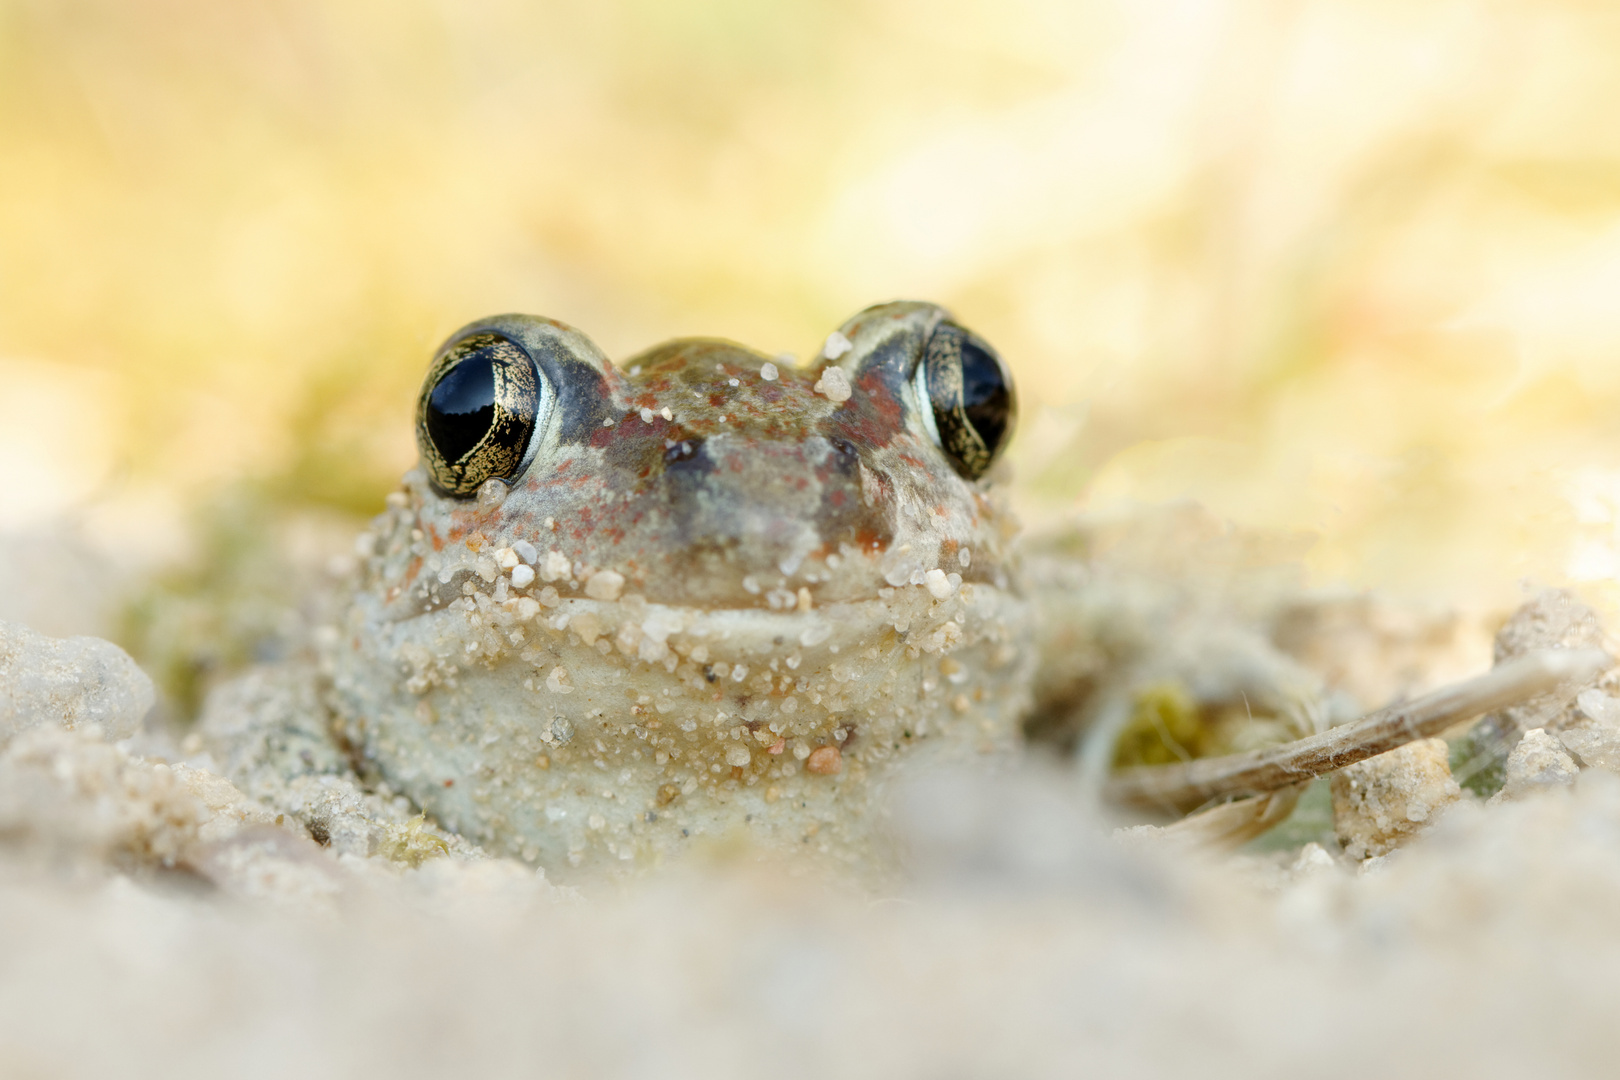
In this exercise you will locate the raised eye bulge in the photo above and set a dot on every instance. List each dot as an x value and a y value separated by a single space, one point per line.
966 394
481 403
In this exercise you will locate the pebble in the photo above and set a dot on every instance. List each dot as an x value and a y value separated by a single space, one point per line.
1554 619
940 586
1539 763
604 585
1383 802
837 345
69 683
834 383
1593 739
491 494
825 761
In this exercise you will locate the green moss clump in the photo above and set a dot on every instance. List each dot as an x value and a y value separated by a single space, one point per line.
1479 761
1164 727
1168 725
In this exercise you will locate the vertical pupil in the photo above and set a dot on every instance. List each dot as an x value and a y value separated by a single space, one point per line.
984 394
461 409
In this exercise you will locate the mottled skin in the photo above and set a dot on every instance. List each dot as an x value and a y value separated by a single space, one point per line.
734 573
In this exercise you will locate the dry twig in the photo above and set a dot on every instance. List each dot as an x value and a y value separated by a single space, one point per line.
1188 785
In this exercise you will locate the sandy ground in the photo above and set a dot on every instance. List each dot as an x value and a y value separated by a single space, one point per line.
1028 941
156 922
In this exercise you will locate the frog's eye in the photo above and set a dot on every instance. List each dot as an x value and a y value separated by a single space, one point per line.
967 397
480 405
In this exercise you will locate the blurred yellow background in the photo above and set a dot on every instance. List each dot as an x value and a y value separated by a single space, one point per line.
1346 266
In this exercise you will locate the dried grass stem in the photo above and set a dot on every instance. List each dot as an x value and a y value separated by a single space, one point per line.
1188 785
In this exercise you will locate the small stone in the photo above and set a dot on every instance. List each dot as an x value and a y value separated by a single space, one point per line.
491 494
825 761
1383 802
837 345
768 372
834 383
526 551
522 576
738 756
555 566
1593 740
1538 763
939 586
1597 706
604 585
1593 746
1312 858
1553 619
69 683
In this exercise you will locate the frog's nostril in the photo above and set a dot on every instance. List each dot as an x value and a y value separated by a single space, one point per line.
685 455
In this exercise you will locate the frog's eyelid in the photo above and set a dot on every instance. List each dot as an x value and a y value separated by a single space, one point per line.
925 407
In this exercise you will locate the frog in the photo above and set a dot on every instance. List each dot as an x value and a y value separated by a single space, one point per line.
620 612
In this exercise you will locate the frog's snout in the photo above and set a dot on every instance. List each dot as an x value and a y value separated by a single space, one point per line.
768 505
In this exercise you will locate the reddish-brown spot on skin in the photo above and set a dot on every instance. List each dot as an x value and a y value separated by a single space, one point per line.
869 541
411 571
873 416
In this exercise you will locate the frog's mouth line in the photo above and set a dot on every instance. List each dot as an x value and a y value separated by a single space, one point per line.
778 603
666 634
